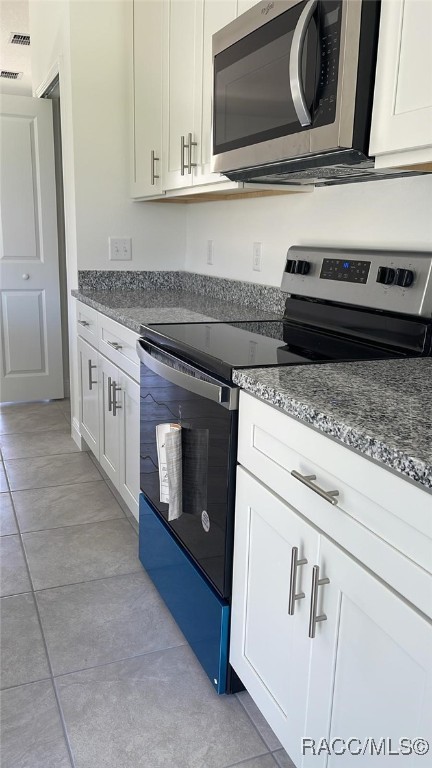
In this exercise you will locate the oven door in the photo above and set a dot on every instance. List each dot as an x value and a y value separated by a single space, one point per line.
188 442
275 78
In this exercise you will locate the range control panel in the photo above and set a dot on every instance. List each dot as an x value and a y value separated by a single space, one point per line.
394 281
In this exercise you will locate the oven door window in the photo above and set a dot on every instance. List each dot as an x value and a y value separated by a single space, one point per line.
252 91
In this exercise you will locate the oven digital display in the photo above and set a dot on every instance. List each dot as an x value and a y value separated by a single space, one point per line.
345 270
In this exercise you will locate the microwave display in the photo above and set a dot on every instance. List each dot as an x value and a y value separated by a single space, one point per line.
253 101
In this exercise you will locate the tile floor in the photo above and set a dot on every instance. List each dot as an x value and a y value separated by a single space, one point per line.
94 671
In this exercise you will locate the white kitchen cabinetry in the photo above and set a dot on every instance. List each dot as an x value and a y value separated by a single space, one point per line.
89 387
188 87
401 131
146 99
365 668
110 403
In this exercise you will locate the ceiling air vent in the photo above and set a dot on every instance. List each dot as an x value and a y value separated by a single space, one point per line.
20 39
10 75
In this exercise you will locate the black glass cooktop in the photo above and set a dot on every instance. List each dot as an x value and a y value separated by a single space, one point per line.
222 347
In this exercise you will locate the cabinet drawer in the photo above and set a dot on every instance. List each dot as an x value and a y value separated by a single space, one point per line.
86 318
378 515
118 344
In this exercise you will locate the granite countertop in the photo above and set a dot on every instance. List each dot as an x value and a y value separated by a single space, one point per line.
382 409
137 307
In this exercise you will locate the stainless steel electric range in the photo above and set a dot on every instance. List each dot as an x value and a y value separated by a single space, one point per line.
342 305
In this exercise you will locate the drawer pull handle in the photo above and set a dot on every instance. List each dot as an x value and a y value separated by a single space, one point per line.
115 345
110 401
313 618
293 596
84 323
329 496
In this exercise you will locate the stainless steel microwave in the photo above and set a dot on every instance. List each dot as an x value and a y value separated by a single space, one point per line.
293 90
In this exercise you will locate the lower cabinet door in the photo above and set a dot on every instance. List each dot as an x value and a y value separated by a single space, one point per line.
129 476
270 649
88 392
371 669
110 416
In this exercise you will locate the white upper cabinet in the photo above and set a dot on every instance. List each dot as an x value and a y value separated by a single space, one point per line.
188 88
146 98
180 84
402 112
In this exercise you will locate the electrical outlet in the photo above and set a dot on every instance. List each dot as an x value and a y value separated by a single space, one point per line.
120 248
210 251
256 257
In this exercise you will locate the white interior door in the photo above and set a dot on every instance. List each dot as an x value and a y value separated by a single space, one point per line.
30 334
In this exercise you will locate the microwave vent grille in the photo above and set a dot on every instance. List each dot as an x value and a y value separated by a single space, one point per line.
9 75
20 39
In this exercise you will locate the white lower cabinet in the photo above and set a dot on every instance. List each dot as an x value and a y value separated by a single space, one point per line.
89 388
110 414
367 670
110 406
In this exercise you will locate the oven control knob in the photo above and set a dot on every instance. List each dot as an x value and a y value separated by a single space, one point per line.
302 268
404 277
386 275
291 266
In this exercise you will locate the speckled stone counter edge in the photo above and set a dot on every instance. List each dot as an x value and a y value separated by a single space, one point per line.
264 297
401 462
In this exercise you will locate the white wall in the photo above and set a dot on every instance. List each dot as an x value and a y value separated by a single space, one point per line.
384 214
101 47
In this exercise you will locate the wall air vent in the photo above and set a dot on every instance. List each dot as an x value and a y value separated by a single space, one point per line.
20 39
10 75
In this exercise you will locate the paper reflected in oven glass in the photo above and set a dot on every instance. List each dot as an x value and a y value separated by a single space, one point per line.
195 469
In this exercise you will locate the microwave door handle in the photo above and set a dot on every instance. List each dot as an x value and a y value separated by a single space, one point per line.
225 396
295 63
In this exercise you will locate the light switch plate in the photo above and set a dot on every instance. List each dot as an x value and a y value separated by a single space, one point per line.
120 248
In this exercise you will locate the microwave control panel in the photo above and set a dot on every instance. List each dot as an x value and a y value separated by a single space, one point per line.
329 32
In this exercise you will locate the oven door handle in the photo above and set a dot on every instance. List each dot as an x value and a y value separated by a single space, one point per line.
295 63
225 396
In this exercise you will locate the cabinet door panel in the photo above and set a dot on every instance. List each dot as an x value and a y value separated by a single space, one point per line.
147 97
129 479
215 15
109 419
270 648
371 671
88 391
402 111
180 66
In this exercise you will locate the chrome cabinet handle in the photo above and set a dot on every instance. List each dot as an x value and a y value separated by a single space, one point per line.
153 160
295 63
313 618
84 323
182 151
115 405
110 402
329 496
191 144
115 345
293 596
90 377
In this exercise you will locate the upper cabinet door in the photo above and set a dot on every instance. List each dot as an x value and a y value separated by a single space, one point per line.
146 159
181 78
371 672
402 112
214 14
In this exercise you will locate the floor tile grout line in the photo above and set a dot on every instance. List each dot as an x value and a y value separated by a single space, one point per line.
45 645
29 682
249 760
67 525
118 661
41 487
88 581
45 455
